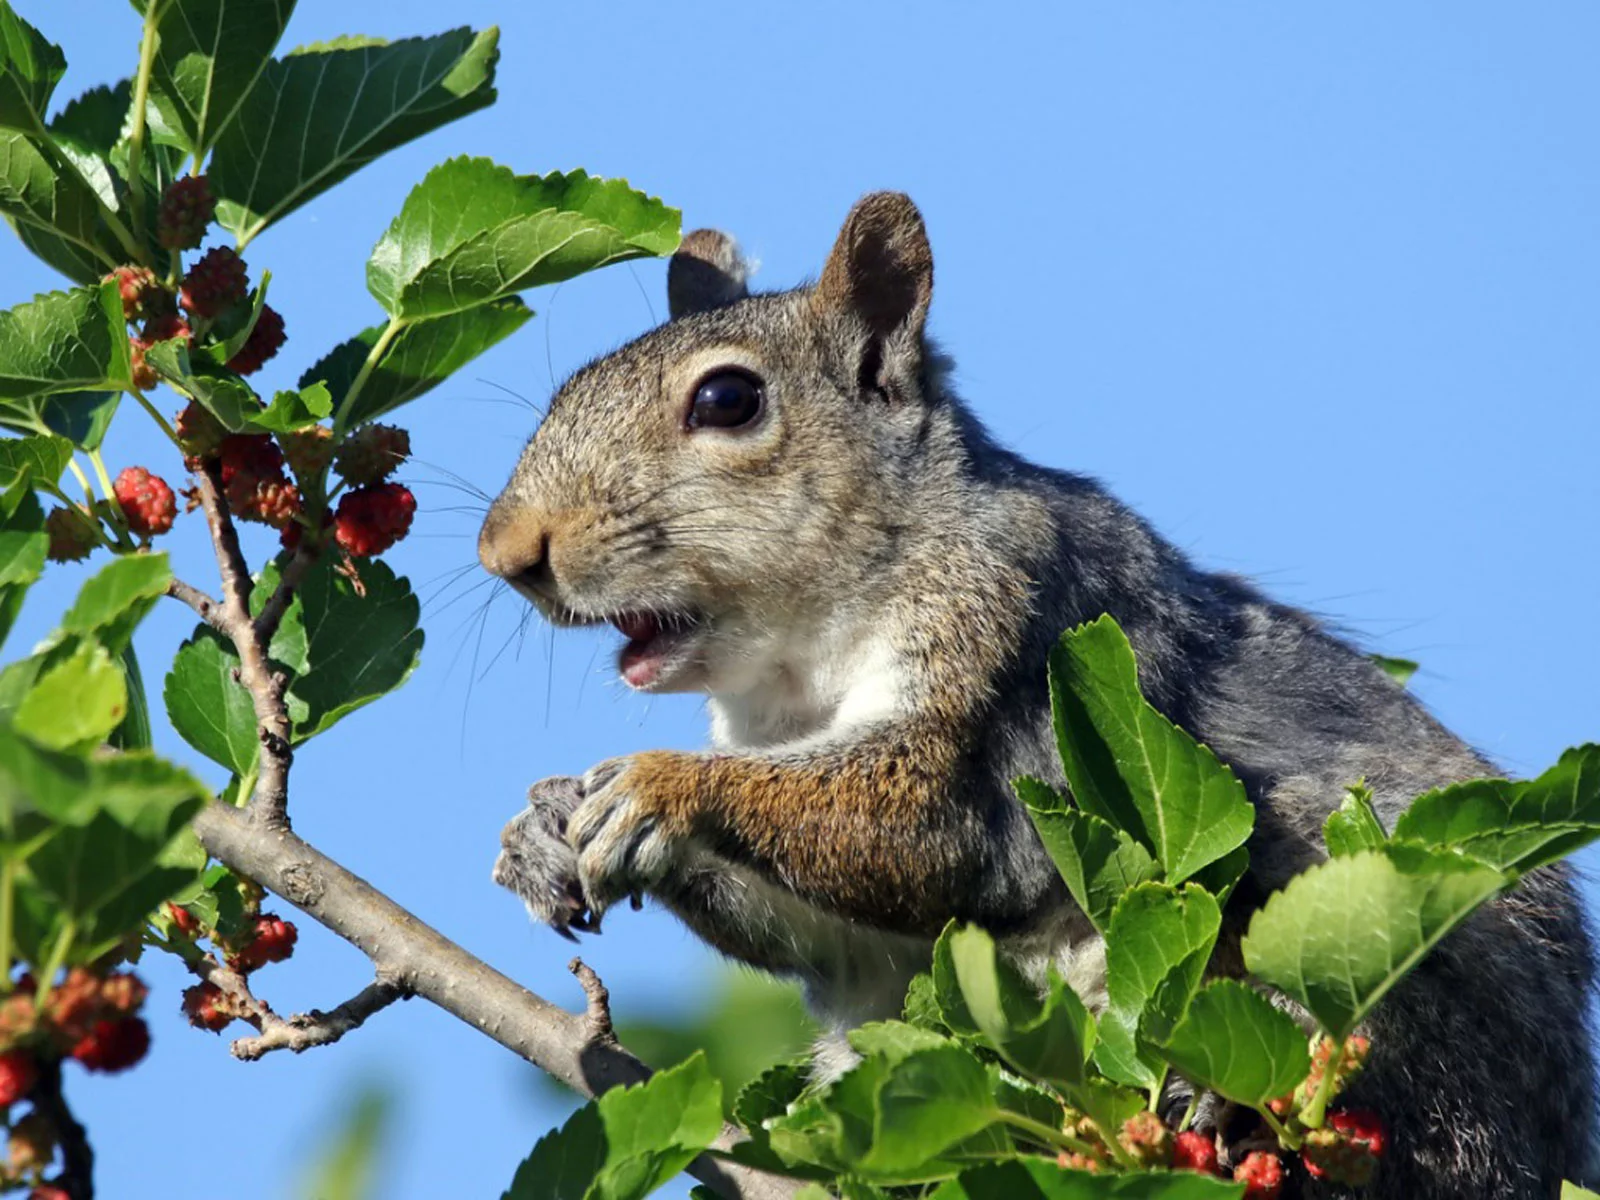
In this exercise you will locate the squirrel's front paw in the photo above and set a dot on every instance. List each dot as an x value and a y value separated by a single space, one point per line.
622 849
538 863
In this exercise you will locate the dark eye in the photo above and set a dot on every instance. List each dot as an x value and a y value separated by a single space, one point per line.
725 400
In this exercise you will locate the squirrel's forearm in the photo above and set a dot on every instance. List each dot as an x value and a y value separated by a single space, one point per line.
831 827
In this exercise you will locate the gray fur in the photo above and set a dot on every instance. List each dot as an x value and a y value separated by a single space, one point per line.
888 500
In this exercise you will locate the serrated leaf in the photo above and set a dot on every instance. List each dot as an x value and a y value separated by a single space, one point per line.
1130 766
208 56
55 213
1041 1179
1398 669
473 231
1513 826
106 872
769 1095
1354 825
420 357
116 597
1097 861
75 705
218 390
43 456
357 648
323 112
80 417
898 1118
234 326
294 410
1235 1042
208 706
628 1142
921 1008
1340 935
30 68
1157 946
63 342
1046 1038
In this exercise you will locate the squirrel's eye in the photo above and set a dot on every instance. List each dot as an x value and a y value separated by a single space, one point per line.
725 400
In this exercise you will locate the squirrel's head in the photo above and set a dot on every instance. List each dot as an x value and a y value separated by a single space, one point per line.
726 485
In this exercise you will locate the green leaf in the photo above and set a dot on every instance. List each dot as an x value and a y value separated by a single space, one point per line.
1398 669
1571 1191
294 410
1354 825
1047 1039
43 456
113 601
208 56
80 417
358 648
62 342
1130 766
420 357
1235 1042
349 1163
134 732
106 873
55 213
1339 936
208 706
1510 826
1041 1179
218 390
37 789
900 1117
23 542
922 1004
628 1142
30 68
473 231
1097 861
1157 946
323 112
75 704
769 1095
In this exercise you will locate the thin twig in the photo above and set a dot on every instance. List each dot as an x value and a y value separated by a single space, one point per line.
77 1156
597 1015
204 606
317 1028
424 961
294 573
269 803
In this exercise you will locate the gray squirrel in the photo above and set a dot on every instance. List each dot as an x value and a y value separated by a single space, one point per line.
780 503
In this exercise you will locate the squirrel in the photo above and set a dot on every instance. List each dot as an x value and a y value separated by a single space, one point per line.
780 502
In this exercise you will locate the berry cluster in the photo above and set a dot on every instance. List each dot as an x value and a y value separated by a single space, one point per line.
211 298
1345 1149
88 1016
247 946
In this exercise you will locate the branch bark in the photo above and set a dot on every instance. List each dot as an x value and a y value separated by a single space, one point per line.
423 961
302 1031
77 1158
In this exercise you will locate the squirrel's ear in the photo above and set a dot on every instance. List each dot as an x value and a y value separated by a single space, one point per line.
881 267
706 271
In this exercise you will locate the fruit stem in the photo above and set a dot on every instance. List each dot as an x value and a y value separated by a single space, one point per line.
1312 1114
53 964
155 414
1188 1113
141 98
8 881
379 349
1041 1132
123 540
1290 1141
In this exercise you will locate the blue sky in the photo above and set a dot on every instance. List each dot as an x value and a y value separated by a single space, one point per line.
1313 287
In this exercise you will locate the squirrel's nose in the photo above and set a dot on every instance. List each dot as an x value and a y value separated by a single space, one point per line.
515 547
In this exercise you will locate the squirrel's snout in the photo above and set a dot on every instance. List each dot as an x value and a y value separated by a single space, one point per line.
516 547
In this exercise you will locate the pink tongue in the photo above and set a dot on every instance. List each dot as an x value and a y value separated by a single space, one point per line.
637 627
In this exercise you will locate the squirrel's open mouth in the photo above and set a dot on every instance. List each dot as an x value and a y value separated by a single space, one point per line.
657 643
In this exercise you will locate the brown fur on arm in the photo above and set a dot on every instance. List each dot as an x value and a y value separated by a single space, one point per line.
834 827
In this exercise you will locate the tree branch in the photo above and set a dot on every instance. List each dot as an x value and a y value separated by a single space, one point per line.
316 1028
423 961
270 802
77 1157
294 572
207 609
